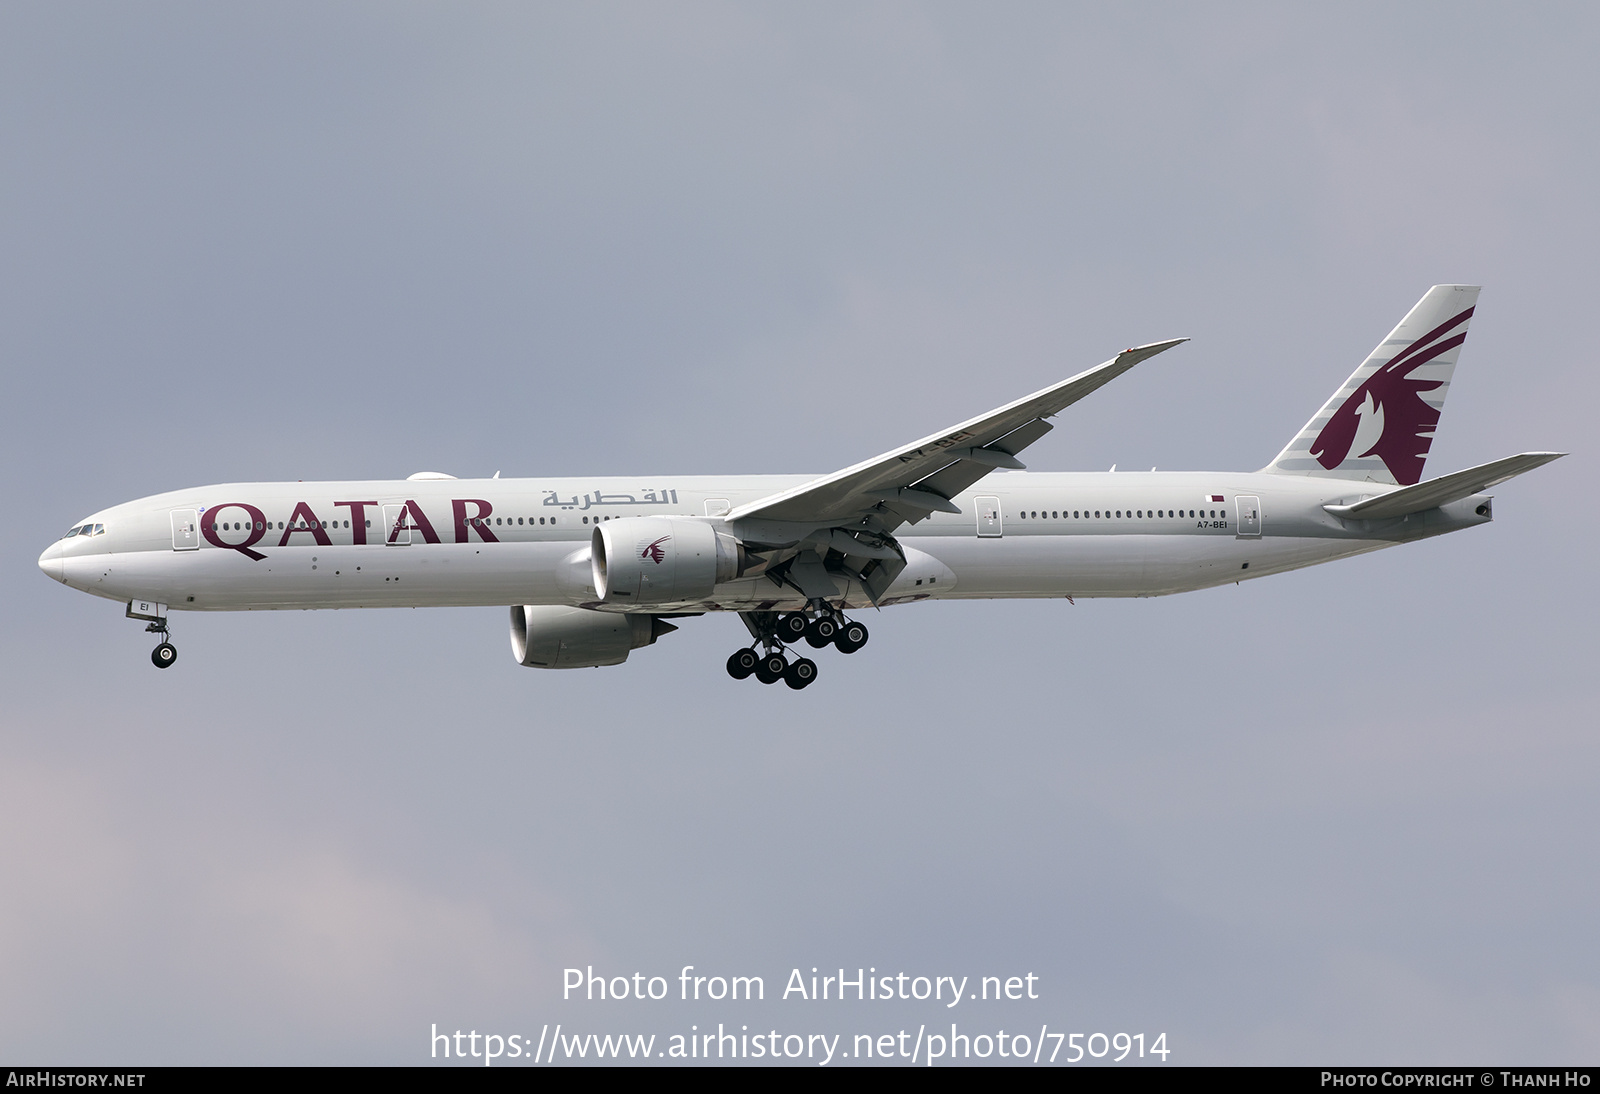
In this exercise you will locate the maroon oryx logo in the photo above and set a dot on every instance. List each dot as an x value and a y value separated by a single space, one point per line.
654 552
1386 416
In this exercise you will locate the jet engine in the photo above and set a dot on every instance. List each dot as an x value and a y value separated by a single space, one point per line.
549 636
661 560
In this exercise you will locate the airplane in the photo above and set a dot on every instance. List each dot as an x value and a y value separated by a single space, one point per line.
595 568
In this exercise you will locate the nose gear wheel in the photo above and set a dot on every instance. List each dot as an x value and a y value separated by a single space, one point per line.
165 655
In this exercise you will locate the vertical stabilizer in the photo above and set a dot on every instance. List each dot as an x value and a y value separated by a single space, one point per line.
1379 425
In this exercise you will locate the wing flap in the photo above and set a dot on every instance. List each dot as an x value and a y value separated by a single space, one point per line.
1443 490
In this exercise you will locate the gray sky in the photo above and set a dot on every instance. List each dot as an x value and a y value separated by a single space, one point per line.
1343 815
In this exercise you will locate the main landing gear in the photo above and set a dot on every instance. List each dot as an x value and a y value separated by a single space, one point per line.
768 663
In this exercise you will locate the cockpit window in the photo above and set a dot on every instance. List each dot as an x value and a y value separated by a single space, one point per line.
85 530
72 533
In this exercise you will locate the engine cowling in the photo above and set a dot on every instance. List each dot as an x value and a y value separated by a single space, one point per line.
549 636
661 560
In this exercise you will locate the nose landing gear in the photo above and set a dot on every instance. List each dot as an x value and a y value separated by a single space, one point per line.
165 654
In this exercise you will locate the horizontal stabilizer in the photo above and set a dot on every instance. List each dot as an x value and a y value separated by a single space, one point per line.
1443 490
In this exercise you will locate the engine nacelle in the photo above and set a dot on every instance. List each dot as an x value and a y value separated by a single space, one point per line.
548 636
661 560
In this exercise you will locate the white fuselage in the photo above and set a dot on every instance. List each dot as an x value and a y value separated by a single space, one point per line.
526 541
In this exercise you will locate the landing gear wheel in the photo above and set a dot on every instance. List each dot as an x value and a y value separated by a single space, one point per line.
772 668
164 655
852 636
792 627
800 673
821 632
743 663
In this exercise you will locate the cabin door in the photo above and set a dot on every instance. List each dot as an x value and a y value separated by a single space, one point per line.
185 530
990 522
1249 510
396 529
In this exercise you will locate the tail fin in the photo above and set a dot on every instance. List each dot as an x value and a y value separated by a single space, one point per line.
1379 425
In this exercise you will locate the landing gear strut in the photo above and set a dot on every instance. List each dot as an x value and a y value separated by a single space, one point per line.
767 658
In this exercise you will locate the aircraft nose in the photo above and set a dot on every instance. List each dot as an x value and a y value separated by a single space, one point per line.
50 562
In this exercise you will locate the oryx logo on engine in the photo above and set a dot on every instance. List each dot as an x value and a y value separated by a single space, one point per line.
654 552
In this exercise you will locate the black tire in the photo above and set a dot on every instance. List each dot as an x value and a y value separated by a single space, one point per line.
822 632
852 636
792 627
164 655
772 668
801 673
743 663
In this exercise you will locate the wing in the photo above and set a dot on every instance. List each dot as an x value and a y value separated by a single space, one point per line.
908 483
